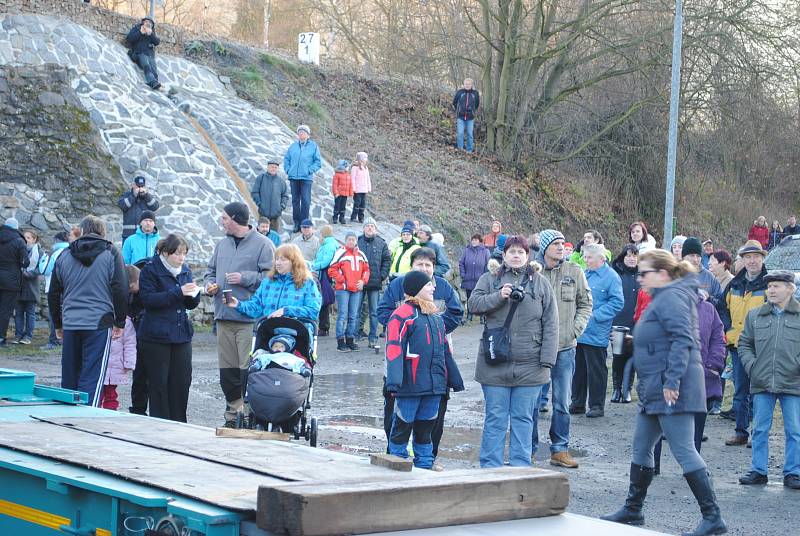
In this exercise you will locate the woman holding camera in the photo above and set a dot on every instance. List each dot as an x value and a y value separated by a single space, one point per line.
520 308
671 388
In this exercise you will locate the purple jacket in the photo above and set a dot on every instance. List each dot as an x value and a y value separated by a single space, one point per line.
472 265
712 346
122 356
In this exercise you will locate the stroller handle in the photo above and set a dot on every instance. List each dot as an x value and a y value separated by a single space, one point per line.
302 320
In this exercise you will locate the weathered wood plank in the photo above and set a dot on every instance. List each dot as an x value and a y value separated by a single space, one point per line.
251 434
395 463
459 497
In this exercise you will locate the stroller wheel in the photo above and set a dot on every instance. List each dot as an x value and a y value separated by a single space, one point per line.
312 436
297 431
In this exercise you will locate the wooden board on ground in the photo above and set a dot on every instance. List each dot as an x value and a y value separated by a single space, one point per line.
459 497
251 434
280 459
227 487
395 463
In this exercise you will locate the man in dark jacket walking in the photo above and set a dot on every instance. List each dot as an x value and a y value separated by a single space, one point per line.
133 203
271 195
465 103
88 299
142 40
380 260
13 258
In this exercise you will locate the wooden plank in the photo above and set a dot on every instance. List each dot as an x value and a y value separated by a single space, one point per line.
280 459
459 497
395 463
226 487
251 434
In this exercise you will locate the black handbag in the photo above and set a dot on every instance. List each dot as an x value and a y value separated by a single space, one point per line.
497 341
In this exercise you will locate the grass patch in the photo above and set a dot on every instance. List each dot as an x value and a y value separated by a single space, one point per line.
251 82
286 66
317 110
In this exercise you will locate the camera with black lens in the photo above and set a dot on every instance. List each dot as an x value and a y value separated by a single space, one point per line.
517 293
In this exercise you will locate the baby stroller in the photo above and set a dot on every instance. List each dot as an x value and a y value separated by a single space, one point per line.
277 399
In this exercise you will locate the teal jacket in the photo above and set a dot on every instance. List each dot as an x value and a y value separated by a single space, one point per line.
325 254
281 292
140 246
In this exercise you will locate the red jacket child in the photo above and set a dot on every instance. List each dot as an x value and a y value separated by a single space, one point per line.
349 266
342 184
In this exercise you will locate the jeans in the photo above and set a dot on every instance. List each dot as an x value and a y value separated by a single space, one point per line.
301 200
25 319
591 374
741 395
561 380
348 303
415 414
544 397
504 404
763 407
469 124
371 298
148 66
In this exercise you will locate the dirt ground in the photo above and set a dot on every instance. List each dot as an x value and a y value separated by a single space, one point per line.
348 403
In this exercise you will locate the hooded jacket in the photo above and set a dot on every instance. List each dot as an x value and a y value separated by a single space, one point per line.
270 194
379 258
573 299
533 330
89 286
740 297
132 207
630 290
607 301
252 257
140 245
47 269
712 346
122 356
348 267
418 357
666 351
466 103
325 254
362 184
472 265
769 348
141 43
13 258
444 294
401 256
342 184
281 292
442 262
759 233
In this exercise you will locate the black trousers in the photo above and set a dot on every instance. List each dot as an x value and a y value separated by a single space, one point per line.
359 204
169 376
8 302
339 207
438 426
139 391
591 375
325 318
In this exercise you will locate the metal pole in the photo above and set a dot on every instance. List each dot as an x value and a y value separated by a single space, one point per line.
152 12
674 104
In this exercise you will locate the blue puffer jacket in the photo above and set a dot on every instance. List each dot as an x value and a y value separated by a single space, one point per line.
139 246
281 292
165 319
418 358
452 312
607 301
302 160
325 254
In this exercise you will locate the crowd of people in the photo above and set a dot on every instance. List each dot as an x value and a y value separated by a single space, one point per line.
683 321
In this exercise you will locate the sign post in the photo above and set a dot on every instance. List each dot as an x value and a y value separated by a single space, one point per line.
308 47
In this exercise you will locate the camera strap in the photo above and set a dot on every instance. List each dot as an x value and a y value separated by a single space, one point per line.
515 304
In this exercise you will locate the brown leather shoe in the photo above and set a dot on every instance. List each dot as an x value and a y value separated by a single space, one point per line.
736 441
563 459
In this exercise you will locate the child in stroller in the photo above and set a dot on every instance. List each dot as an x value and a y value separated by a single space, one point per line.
279 378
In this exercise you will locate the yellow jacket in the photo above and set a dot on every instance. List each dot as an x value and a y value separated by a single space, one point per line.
741 296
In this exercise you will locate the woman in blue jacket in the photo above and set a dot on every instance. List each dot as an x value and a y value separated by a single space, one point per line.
288 290
167 291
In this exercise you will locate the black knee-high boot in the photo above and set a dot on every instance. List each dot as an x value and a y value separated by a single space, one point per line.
617 369
631 513
703 490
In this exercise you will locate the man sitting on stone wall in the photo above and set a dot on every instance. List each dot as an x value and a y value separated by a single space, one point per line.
143 41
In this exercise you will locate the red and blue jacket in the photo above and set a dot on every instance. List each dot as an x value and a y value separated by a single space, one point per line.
418 357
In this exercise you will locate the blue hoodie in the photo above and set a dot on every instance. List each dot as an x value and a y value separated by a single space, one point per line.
607 301
140 246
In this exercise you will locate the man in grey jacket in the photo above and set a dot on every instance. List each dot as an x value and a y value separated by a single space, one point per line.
769 348
574 302
239 263
88 300
271 195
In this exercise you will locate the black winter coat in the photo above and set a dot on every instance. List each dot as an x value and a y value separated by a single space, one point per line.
13 258
630 291
141 43
165 319
466 103
380 260
132 208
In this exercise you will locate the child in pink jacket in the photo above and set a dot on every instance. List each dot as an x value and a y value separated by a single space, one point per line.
362 185
122 354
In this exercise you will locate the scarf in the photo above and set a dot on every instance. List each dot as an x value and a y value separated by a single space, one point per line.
171 269
427 307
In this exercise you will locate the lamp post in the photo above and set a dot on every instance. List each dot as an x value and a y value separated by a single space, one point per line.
674 105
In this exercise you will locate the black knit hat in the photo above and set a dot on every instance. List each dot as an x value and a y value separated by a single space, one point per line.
147 215
238 212
692 245
414 281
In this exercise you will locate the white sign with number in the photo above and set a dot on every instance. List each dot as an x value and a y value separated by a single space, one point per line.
308 47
